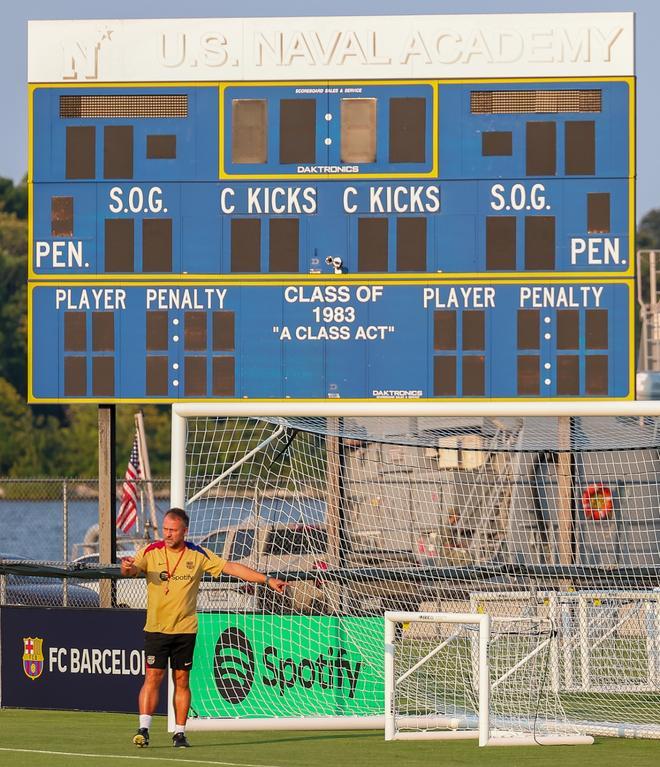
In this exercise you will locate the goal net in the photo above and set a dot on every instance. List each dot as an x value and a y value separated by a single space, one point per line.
551 521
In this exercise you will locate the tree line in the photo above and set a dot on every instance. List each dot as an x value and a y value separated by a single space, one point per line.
50 440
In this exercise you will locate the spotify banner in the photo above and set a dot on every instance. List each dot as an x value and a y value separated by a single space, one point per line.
252 665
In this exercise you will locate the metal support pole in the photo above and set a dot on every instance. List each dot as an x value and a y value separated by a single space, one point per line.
65 541
333 501
336 505
107 501
336 476
146 473
565 525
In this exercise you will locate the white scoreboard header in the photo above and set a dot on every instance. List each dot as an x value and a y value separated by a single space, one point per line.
335 47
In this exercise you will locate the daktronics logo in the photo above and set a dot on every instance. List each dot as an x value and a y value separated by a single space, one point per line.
235 669
234 665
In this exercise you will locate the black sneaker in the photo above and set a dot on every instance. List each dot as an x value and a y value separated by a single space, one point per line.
179 740
141 737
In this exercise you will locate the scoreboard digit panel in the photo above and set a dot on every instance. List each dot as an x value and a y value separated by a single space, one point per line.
329 130
527 129
497 178
267 229
94 134
445 341
485 129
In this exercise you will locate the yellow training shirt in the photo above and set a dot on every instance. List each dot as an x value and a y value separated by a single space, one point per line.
172 604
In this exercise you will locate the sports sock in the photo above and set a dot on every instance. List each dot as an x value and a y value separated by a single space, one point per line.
145 721
179 728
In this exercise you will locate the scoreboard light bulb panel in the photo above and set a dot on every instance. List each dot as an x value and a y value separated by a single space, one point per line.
392 227
462 340
458 178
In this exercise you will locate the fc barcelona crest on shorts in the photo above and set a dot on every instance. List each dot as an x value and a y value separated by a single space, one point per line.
33 657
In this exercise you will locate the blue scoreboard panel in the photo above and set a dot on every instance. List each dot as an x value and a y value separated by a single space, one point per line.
404 239
454 339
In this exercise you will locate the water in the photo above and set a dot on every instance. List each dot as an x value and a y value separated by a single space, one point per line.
34 529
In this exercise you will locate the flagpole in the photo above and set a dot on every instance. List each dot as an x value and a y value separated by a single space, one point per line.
146 469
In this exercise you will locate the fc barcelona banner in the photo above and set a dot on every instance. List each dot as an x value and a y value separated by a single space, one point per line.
87 659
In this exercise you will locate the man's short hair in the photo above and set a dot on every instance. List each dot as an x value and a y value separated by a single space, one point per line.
179 514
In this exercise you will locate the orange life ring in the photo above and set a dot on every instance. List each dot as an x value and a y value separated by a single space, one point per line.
597 501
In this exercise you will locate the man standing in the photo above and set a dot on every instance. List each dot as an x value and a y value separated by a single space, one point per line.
173 568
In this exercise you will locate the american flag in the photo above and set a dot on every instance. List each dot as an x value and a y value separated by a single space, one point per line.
128 511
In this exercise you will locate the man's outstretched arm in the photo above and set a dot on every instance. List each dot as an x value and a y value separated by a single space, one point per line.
252 576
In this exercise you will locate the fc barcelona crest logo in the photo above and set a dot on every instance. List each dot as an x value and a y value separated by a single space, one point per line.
33 656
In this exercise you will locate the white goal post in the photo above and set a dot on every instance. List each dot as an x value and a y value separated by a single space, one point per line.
452 719
393 680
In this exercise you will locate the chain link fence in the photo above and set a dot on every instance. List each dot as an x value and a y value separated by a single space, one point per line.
56 521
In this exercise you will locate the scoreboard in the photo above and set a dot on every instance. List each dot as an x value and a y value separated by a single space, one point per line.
440 231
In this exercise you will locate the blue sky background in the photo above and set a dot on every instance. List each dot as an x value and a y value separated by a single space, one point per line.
13 53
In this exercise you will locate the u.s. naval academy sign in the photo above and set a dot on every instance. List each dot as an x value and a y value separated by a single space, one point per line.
503 45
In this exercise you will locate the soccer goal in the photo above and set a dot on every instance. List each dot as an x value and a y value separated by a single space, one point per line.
550 526
463 675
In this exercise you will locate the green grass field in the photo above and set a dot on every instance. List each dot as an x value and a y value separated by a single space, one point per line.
57 738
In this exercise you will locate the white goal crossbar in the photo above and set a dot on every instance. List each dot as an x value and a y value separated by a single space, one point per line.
390 408
381 408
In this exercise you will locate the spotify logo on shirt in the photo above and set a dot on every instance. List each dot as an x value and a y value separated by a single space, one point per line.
234 665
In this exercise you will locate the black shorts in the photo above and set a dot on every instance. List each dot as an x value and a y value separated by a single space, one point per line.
178 648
